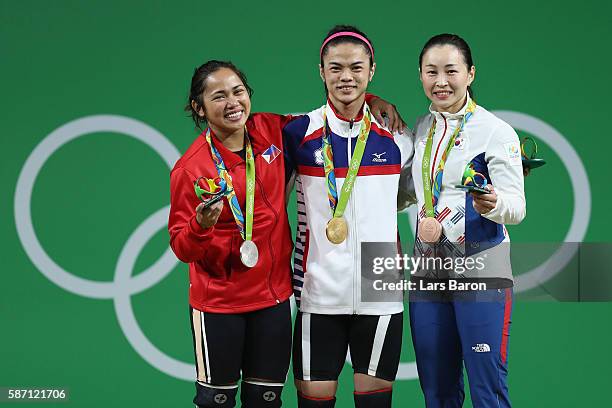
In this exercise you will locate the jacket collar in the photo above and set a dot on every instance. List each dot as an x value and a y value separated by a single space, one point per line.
459 115
340 125
259 143
332 110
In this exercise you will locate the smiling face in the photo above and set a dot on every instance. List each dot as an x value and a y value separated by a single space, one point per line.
445 77
227 103
346 72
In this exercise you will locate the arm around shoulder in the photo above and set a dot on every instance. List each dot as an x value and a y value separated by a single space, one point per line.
406 194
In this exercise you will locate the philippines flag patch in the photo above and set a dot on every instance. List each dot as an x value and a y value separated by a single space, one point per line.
271 153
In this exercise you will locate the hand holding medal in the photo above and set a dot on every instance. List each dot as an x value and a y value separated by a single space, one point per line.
207 213
214 190
473 181
485 202
484 197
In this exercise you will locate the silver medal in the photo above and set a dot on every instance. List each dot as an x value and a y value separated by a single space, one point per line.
249 255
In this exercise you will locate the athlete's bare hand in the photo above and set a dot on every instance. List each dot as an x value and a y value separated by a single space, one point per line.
483 203
207 217
385 112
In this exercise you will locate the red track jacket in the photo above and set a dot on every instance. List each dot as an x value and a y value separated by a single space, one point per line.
219 282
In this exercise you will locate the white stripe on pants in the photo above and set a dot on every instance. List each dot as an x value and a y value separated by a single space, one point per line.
306 346
379 341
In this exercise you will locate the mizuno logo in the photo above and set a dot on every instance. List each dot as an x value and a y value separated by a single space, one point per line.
378 157
481 348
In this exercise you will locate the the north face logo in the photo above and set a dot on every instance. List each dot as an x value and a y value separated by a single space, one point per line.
481 348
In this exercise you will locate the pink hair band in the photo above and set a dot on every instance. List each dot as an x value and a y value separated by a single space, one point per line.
347 34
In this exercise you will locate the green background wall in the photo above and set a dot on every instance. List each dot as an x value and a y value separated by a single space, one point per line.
61 61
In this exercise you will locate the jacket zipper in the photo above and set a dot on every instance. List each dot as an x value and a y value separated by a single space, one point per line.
433 166
353 224
265 198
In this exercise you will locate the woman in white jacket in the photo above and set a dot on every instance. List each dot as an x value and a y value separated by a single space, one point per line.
460 143
347 171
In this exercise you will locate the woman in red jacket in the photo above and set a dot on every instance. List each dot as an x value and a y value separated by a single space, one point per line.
238 249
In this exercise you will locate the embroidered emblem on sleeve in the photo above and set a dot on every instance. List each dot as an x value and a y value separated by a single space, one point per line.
513 153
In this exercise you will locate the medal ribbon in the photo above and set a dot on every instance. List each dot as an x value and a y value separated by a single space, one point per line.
432 194
246 230
338 206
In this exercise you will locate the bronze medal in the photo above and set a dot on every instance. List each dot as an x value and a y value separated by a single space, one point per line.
430 230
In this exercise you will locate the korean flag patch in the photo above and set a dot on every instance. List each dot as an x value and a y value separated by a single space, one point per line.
459 143
271 153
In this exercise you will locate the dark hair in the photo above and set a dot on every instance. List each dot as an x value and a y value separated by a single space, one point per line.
347 39
455 41
198 84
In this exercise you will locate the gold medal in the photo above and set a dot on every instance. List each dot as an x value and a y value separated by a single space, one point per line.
336 230
430 230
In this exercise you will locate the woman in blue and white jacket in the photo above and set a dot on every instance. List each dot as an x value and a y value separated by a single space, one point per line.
342 146
453 327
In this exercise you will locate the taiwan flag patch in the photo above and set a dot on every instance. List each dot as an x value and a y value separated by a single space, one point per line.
271 153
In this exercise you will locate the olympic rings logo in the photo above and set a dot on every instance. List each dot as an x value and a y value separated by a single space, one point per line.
124 286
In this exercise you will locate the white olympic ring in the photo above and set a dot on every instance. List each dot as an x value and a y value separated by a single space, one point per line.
582 198
124 285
